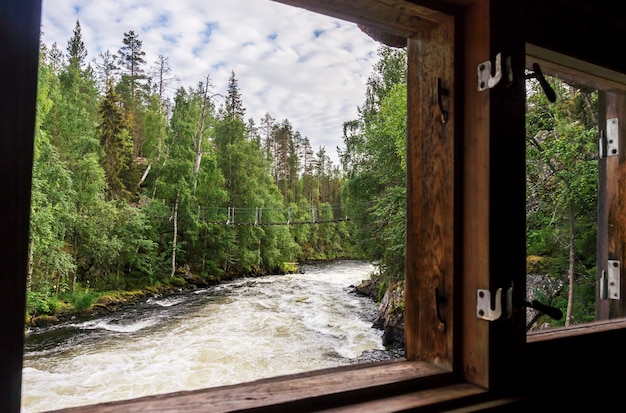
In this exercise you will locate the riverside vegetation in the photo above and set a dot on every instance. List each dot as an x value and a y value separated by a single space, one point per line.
131 188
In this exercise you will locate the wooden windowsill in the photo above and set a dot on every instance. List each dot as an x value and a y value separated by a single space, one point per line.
596 328
380 387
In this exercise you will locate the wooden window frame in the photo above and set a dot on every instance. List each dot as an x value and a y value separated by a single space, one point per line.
610 327
433 148
465 224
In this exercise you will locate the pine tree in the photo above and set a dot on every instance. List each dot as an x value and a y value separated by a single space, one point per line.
234 105
131 59
77 53
116 145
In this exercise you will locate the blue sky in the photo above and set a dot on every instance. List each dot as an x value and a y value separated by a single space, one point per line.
289 62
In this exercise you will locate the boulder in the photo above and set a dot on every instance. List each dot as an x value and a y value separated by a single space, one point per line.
391 316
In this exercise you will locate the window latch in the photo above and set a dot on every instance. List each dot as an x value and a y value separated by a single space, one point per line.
486 311
485 79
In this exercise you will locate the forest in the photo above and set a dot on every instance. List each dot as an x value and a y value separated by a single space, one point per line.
134 189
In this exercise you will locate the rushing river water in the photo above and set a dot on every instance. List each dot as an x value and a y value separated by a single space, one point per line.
244 330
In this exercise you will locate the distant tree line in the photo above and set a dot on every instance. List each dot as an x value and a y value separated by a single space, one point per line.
128 183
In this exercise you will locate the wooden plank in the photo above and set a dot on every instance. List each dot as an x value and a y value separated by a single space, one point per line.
475 347
19 39
602 243
615 195
598 327
406 402
583 75
494 195
397 17
430 223
507 195
326 386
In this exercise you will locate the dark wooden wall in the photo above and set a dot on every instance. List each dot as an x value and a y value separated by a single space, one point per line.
19 48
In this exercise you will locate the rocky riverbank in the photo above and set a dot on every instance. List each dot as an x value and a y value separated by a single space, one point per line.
109 302
390 308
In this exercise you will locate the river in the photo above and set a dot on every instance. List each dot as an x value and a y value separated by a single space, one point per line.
236 332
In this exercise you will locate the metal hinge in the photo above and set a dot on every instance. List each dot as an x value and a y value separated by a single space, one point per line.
609 141
610 281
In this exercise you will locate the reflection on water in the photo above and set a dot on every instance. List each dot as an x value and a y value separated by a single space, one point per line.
241 331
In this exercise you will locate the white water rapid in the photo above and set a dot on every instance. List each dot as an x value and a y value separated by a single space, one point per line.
245 330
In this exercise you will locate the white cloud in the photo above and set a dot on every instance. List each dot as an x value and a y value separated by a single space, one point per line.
289 62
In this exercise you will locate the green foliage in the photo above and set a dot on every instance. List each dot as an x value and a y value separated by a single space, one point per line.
177 281
41 304
375 161
562 178
127 188
83 300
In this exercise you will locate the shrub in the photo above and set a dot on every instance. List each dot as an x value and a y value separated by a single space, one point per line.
83 300
177 281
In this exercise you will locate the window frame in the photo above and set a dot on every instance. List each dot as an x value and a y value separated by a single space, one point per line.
478 227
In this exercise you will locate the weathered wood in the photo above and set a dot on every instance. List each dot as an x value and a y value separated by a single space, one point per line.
577 331
287 393
614 194
430 398
475 348
19 51
431 171
397 17
494 195
583 75
602 243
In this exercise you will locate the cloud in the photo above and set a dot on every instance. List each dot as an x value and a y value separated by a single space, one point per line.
290 63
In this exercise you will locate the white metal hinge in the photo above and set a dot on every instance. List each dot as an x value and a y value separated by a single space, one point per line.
610 281
612 137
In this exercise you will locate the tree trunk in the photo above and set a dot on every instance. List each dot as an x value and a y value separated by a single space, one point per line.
570 294
31 264
75 262
145 175
205 103
175 235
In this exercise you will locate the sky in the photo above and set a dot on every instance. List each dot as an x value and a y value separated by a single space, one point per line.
289 62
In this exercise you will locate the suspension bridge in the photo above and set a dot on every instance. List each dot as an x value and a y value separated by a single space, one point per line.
261 216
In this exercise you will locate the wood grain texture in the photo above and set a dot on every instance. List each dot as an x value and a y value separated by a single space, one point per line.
430 225
397 17
494 194
475 344
602 256
583 75
430 398
288 393
614 196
